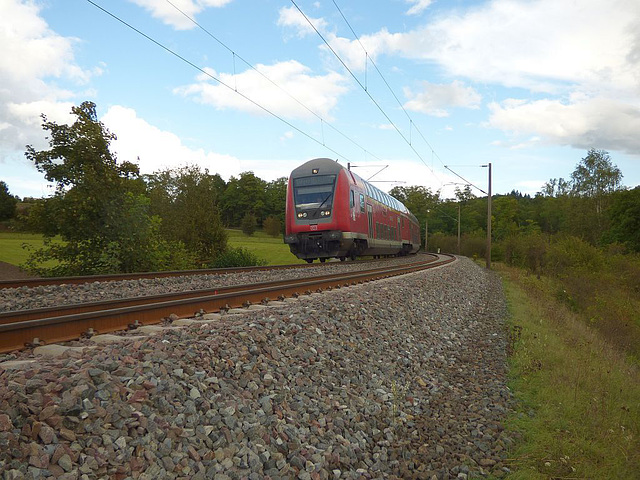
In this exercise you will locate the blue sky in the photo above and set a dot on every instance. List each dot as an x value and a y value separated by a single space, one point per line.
529 86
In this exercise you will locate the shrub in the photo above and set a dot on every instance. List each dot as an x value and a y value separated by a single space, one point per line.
525 251
249 224
272 226
237 257
569 253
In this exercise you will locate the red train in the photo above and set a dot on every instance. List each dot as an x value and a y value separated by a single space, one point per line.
333 213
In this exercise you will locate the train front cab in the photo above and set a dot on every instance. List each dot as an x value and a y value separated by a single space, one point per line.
319 205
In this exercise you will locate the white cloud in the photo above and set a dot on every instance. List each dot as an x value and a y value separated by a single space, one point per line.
318 93
288 135
32 55
419 6
170 15
544 46
583 123
587 52
291 17
434 99
154 149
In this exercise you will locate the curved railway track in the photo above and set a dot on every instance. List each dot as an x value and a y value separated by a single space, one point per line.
37 282
51 325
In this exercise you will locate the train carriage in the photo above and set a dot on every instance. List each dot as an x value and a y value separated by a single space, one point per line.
333 213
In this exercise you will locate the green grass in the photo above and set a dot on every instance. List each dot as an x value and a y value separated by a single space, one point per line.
11 250
272 249
578 397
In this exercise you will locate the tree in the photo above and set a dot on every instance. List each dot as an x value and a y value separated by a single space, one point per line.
8 202
419 200
596 176
625 218
187 201
243 195
99 207
593 181
276 198
249 224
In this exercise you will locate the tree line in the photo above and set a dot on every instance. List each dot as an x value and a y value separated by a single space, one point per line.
111 218
592 205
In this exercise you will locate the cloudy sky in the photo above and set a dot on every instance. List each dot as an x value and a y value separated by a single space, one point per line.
264 85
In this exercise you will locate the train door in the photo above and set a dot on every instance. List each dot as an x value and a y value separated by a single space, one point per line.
370 218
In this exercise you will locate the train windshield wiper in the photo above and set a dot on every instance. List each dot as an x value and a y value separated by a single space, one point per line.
323 202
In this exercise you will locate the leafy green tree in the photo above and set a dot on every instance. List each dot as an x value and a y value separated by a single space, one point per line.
243 195
249 224
419 200
8 202
624 215
595 177
99 208
187 201
276 198
593 181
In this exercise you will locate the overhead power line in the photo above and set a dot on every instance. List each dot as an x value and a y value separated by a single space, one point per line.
407 141
266 77
213 77
412 124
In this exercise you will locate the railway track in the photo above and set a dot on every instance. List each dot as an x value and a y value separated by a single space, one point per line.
37 282
51 325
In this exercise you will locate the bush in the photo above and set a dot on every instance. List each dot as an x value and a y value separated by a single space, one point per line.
237 257
272 226
249 224
569 253
525 251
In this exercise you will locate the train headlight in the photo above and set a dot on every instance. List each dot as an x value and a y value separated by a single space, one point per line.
325 213
299 215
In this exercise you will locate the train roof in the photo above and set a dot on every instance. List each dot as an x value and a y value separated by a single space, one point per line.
328 166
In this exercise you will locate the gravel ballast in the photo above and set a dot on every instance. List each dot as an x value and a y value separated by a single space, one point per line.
23 298
400 378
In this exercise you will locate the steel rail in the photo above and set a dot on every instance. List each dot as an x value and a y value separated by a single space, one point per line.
71 309
38 282
112 316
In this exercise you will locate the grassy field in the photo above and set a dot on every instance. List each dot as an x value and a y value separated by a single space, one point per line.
578 397
272 249
11 250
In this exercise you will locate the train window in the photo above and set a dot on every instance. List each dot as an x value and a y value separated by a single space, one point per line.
314 192
362 203
352 199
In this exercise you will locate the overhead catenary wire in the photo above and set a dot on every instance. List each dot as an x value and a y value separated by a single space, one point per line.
213 77
412 124
275 84
375 102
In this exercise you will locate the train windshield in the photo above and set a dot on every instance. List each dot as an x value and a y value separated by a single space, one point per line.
314 192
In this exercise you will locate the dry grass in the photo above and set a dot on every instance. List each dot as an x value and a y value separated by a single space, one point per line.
578 395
